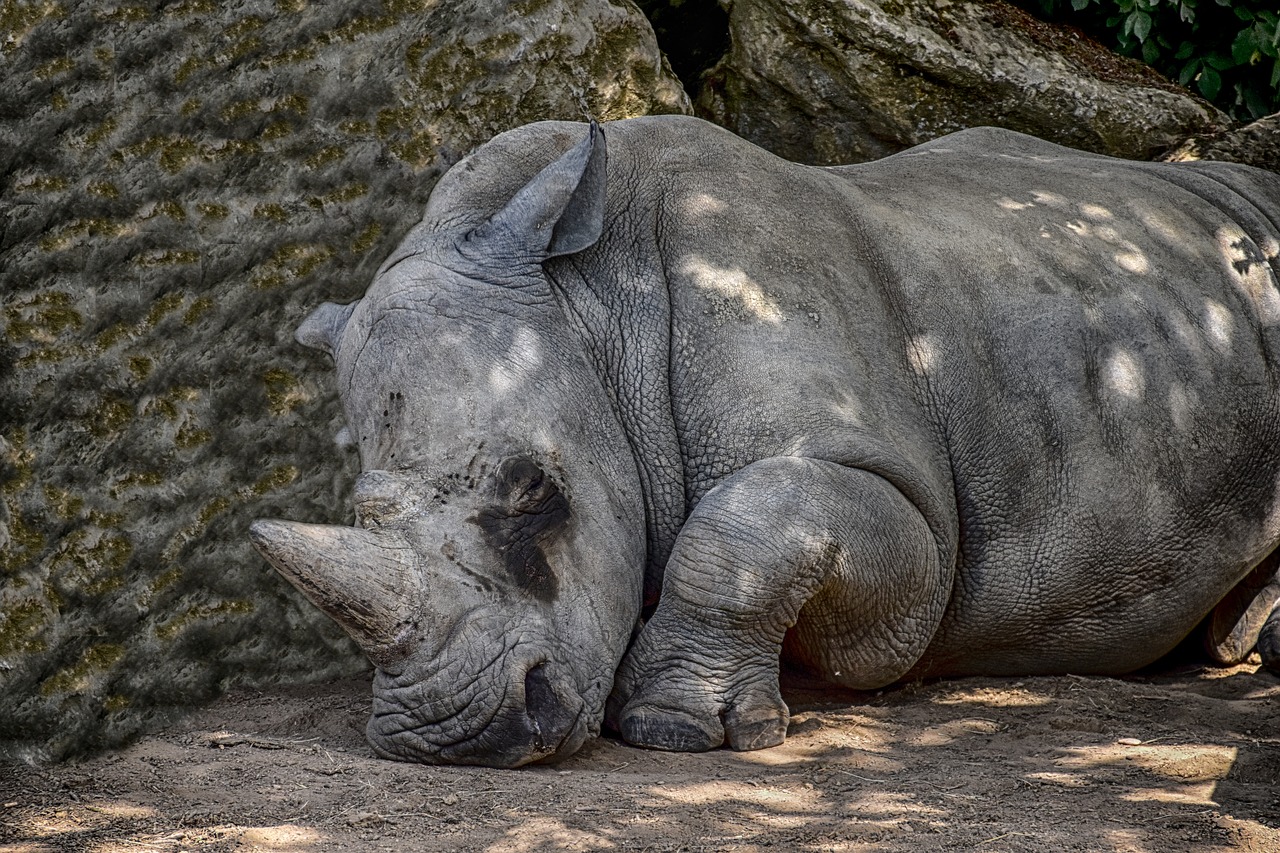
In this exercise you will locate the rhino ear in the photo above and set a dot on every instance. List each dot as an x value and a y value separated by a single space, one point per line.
559 212
323 327
364 581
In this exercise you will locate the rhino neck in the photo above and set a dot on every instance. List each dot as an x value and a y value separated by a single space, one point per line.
607 296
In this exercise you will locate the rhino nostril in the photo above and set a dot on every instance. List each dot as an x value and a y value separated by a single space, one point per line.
550 718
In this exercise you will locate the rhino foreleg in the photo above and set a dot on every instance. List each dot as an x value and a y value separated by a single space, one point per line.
785 540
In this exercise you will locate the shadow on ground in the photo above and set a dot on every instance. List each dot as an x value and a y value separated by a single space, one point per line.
1183 759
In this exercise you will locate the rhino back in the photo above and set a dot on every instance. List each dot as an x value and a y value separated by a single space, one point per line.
1098 339
1064 359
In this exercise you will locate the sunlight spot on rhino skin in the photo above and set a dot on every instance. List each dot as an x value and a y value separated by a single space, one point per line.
1182 402
1156 223
733 283
1079 228
1123 375
1095 212
1046 197
521 360
921 354
1009 204
847 408
1217 324
1132 259
702 204
1247 266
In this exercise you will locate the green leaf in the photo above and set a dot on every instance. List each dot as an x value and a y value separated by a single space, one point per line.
1150 52
1189 71
1079 5
1141 26
1209 83
1219 61
1275 75
1243 14
1184 50
1257 106
1244 47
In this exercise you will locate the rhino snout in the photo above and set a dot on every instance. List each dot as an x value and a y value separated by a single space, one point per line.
539 718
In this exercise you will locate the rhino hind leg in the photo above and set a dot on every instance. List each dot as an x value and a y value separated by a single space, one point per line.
1248 618
760 548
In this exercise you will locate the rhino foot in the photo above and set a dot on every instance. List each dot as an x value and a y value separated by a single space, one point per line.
663 702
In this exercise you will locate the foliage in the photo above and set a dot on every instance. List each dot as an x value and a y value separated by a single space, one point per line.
1229 50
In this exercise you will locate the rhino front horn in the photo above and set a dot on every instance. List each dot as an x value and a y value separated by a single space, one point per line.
364 581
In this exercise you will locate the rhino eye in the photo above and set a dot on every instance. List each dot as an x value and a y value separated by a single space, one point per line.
523 484
529 511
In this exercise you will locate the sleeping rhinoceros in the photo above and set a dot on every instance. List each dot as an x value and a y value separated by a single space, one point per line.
989 405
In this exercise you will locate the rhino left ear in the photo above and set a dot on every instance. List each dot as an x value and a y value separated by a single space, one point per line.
559 212
324 326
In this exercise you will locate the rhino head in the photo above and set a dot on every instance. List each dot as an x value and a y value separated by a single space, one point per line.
494 576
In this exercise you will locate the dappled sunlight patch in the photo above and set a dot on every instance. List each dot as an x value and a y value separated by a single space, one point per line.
1186 794
1063 780
1096 212
945 733
889 805
792 798
1190 762
921 354
1218 325
521 360
544 833
1013 696
734 284
703 204
1123 374
1129 841
1010 204
1183 402
1249 268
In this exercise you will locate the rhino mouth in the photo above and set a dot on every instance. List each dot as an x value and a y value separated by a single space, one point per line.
535 716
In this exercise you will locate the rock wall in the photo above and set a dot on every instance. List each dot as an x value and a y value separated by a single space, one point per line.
1256 144
180 183
841 81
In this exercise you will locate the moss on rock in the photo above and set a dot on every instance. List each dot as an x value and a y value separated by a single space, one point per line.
207 174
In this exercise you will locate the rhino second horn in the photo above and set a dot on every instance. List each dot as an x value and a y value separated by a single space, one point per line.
364 581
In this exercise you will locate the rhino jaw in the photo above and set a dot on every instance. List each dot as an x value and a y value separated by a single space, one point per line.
363 581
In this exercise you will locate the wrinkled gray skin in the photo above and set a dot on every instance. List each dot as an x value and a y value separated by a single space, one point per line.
986 406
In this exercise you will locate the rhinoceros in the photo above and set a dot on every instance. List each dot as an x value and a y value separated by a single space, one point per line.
643 410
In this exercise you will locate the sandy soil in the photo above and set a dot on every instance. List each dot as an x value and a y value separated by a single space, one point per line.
1184 759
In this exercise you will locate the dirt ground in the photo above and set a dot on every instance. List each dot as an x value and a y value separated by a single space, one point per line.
1182 759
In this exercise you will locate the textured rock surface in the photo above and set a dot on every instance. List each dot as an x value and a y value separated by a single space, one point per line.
837 81
1257 144
181 184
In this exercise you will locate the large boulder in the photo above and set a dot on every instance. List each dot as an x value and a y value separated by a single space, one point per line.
1255 144
181 183
840 81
